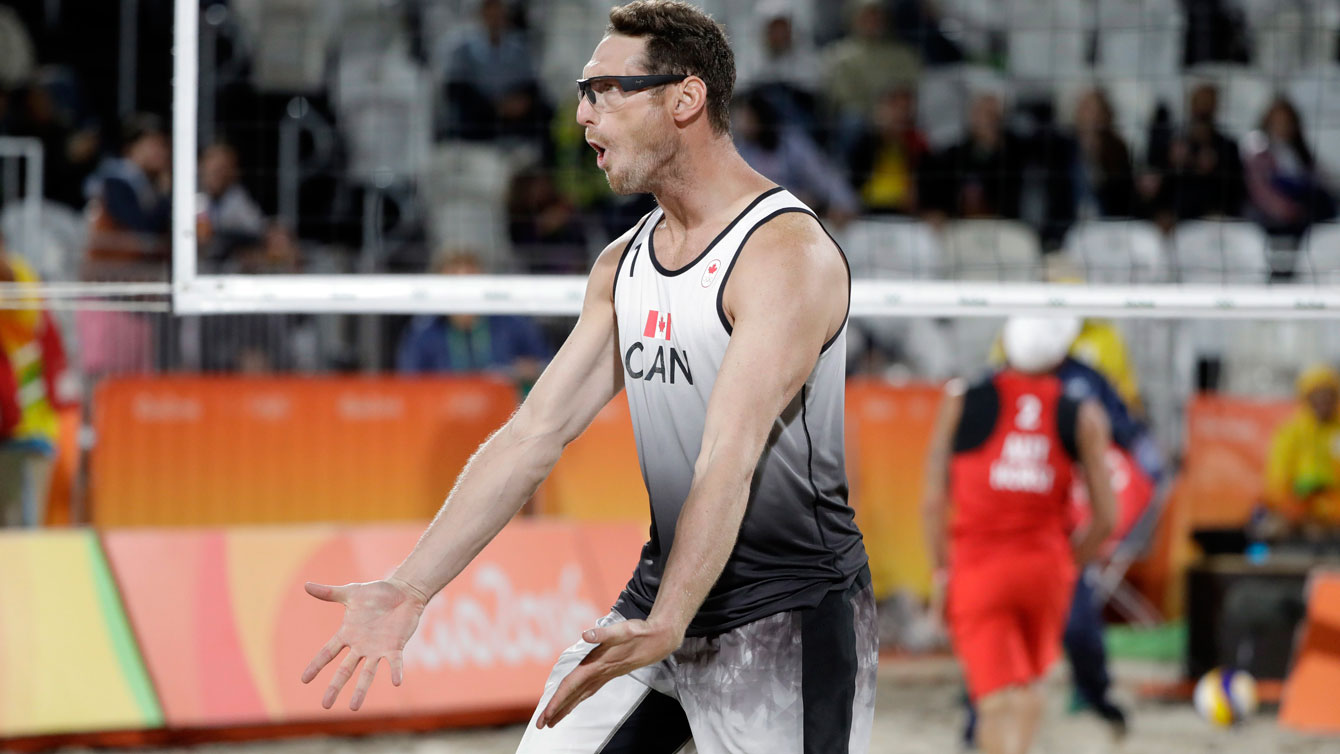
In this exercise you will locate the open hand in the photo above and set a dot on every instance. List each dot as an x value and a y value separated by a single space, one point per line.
623 648
379 618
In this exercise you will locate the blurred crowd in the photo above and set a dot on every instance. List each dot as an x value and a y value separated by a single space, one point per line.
437 135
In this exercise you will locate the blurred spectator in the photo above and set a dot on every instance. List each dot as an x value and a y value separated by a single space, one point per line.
1284 186
981 175
511 346
132 204
865 64
492 87
1089 173
1304 463
884 164
226 207
790 157
1195 172
784 68
34 362
545 228
69 151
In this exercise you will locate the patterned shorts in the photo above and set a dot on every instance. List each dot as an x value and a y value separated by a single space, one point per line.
801 681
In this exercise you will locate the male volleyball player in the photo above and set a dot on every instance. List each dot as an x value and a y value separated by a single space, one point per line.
1002 454
748 623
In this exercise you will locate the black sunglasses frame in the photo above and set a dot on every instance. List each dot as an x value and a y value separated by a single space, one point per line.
629 84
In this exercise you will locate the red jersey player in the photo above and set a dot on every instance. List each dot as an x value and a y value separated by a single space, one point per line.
1001 457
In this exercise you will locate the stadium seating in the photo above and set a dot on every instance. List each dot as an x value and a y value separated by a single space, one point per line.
1139 38
1046 40
1117 252
1220 252
465 191
382 98
289 40
1288 37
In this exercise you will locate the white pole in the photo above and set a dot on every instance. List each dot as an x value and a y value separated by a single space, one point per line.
185 90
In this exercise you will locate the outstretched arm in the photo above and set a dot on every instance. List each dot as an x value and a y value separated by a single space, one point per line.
381 616
787 297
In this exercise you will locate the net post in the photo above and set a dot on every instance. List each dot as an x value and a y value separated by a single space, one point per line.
185 97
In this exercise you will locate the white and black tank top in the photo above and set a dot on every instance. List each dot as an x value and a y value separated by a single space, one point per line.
799 538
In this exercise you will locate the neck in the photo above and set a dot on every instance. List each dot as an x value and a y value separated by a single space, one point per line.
705 182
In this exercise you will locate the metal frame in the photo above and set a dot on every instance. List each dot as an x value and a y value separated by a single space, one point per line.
408 294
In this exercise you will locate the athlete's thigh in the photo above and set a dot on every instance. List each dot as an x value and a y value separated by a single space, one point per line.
628 715
793 682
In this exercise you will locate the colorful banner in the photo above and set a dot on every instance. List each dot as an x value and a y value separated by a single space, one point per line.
204 451
227 629
68 662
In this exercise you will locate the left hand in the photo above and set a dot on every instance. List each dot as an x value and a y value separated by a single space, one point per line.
623 648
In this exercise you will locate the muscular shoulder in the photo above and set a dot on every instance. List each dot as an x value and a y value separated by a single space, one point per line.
790 256
794 241
607 263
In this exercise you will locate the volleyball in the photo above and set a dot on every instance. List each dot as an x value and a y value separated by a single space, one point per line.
1225 696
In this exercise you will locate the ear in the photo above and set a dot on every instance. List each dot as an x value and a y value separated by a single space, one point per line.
690 99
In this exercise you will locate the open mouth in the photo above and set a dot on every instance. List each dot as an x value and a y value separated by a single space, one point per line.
601 153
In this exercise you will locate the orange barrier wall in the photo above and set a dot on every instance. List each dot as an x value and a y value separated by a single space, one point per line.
227 629
192 451
598 477
888 434
1227 442
1222 477
1309 693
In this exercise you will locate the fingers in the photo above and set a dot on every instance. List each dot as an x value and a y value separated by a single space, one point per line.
325 592
397 663
576 688
342 676
322 658
364 683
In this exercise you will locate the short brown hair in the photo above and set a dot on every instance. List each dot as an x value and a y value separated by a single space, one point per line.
683 39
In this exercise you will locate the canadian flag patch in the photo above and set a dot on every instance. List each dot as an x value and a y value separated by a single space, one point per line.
710 273
658 325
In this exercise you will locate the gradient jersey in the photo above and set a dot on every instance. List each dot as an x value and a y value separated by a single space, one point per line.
799 538
1014 451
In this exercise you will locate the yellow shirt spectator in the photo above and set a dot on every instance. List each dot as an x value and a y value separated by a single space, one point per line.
1304 461
1101 346
20 336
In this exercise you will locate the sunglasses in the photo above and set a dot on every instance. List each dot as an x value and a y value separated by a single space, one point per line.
595 87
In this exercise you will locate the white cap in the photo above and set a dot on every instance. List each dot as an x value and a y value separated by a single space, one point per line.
1038 344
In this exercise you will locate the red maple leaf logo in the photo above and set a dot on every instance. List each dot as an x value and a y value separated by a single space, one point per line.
712 267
